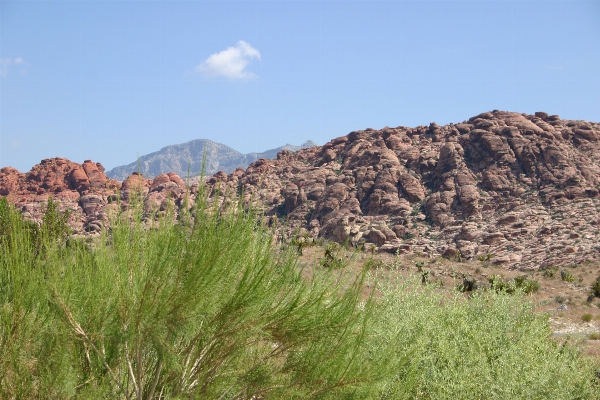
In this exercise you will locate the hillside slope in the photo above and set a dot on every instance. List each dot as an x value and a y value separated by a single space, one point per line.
522 188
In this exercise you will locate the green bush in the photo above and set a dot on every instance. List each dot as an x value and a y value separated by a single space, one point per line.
596 287
199 310
331 258
566 276
549 272
587 317
209 309
526 284
490 346
485 257
14 229
499 284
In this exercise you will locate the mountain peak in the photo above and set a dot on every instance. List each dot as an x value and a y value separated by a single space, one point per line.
186 158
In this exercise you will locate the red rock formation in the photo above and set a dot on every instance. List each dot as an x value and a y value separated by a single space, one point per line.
497 183
85 190
521 187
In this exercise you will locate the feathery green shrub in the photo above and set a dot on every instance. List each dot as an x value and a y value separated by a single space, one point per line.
207 308
200 309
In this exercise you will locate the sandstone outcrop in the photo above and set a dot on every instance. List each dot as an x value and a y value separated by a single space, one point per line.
85 190
521 188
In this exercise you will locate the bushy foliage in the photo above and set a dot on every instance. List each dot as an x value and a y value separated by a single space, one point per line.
198 310
331 259
16 231
209 309
550 272
521 283
596 287
566 276
526 284
490 346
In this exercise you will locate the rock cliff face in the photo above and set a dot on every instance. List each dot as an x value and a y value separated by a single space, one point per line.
523 188
177 158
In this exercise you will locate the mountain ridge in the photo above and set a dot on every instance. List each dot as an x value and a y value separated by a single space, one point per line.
179 157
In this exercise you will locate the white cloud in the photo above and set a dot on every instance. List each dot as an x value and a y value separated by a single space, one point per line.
231 62
6 63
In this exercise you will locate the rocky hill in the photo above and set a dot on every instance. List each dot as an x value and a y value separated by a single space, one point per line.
521 189
86 191
177 158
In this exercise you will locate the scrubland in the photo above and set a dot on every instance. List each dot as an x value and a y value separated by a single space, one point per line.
209 306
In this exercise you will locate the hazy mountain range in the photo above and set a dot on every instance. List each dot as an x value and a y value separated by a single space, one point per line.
186 158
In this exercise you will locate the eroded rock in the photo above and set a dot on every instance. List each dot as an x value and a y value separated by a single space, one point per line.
521 189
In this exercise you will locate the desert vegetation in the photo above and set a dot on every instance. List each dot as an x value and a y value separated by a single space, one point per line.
211 307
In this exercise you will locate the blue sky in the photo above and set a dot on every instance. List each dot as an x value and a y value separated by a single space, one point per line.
110 80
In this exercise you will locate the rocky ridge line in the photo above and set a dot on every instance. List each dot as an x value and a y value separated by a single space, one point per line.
523 188
87 192
179 157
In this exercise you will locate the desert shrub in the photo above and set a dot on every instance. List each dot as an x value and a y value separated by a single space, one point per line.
522 284
331 258
468 284
372 263
55 223
550 272
499 284
302 241
594 336
526 284
596 287
587 317
490 346
566 276
485 257
207 310
17 232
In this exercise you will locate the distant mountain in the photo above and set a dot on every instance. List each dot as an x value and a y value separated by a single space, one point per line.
179 157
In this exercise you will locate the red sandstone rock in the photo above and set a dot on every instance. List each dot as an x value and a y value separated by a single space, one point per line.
82 188
521 187
462 185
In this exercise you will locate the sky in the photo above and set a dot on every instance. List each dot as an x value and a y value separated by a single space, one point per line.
113 80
